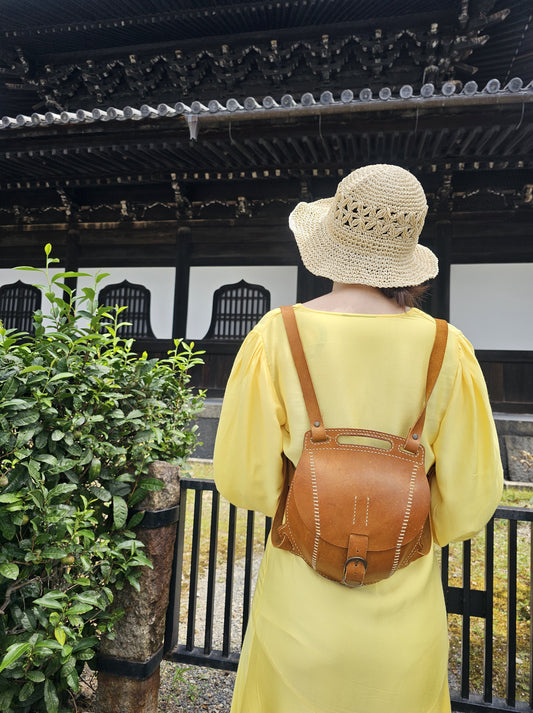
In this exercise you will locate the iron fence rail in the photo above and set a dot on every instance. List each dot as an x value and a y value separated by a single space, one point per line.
219 547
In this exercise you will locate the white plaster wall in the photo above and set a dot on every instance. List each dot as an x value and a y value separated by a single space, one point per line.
280 280
493 304
9 275
159 280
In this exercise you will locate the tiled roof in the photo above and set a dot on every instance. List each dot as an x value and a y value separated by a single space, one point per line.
470 93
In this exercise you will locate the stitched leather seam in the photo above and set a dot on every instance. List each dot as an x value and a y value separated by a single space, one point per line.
406 517
288 524
315 510
362 433
354 509
415 548
364 450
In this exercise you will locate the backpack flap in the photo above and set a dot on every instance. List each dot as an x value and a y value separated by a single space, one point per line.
339 490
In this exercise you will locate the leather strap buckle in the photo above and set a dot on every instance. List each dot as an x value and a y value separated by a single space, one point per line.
356 560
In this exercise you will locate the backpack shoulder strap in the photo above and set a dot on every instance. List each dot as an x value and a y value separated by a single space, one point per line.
436 358
318 432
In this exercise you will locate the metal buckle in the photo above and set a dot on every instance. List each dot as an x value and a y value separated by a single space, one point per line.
363 561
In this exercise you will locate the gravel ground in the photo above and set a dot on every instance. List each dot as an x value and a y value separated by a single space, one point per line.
183 689
193 689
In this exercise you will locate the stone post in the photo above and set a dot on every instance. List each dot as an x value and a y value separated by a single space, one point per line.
128 666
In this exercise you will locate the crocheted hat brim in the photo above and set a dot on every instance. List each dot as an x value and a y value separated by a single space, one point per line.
327 258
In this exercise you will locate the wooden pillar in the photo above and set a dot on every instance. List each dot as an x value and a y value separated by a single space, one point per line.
440 293
72 252
310 286
181 288
128 666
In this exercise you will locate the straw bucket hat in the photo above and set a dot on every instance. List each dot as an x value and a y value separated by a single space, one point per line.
368 232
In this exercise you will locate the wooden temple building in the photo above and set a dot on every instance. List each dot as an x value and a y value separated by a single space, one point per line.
166 142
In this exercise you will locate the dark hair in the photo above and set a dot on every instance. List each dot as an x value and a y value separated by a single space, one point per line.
407 296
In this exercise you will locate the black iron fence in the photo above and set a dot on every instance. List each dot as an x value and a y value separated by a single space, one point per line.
486 584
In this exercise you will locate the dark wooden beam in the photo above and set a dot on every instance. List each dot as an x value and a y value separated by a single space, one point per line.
181 289
440 293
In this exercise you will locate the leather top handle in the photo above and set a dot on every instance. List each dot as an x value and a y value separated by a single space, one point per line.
318 431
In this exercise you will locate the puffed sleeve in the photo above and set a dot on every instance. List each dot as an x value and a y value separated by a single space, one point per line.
468 482
247 458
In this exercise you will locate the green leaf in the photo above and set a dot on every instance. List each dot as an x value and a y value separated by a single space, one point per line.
100 493
63 375
41 439
31 369
143 560
9 389
95 468
66 652
26 691
86 655
61 489
8 530
17 404
10 498
6 696
35 676
120 512
24 436
134 582
33 468
28 620
86 534
53 553
60 635
64 275
68 666
57 435
136 519
88 598
151 484
49 644
25 419
51 700
135 414
73 681
128 545
80 608
46 458
9 570
86 643
126 478
50 601
14 653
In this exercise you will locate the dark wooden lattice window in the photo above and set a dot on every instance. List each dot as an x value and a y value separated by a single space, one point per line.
236 310
136 298
18 302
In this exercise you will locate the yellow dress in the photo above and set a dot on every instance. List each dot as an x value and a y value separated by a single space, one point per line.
315 646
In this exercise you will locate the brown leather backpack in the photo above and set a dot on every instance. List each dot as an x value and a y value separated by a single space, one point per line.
356 507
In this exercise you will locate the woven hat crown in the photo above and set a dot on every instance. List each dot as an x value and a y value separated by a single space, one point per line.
378 208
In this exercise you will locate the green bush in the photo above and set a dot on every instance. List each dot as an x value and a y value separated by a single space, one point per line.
81 418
